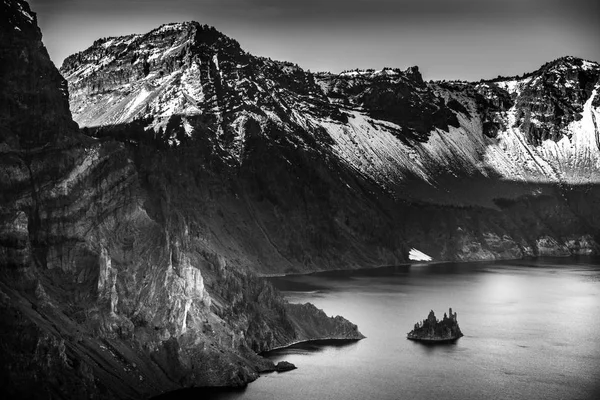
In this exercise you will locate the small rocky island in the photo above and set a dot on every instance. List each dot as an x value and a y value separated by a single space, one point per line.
434 330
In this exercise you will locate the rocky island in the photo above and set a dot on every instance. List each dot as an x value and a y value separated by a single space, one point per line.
434 330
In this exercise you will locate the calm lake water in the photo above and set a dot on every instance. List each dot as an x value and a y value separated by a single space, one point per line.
532 331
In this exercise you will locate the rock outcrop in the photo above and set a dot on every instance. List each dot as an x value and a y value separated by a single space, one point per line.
435 331
283 366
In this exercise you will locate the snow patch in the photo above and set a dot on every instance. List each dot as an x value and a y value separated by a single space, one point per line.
385 72
26 14
355 73
108 43
512 87
192 85
416 255
586 65
188 128
139 99
174 27
173 141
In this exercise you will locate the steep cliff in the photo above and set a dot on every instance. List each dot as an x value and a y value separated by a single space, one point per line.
108 288
319 171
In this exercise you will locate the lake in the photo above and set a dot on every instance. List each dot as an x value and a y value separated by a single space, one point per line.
532 331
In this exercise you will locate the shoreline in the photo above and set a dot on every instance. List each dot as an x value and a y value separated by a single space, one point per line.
328 339
425 263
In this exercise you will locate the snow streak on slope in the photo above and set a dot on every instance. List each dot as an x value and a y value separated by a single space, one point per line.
514 159
577 157
139 99
514 87
369 146
416 255
574 159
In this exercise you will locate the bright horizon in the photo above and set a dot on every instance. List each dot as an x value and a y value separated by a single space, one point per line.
461 39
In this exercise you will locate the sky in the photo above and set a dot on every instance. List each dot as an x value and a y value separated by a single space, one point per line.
447 39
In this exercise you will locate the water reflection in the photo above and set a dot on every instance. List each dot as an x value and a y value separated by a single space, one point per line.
207 393
314 346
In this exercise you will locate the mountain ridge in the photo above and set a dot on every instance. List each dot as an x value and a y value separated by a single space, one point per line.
407 107
366 69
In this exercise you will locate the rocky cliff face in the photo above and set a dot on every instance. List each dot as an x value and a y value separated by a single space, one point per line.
109 285
316 171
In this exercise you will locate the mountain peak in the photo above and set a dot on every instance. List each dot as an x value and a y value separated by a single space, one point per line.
175 26
162 50
181 72
414 73
569 62
386 72
18 16
34 110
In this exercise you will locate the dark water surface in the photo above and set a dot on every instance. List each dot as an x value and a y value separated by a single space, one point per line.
532 331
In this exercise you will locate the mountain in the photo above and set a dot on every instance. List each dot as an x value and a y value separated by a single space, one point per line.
354 169
107 289
190 70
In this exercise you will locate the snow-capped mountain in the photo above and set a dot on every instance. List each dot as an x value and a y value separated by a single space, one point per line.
384 141
388 124
544 124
